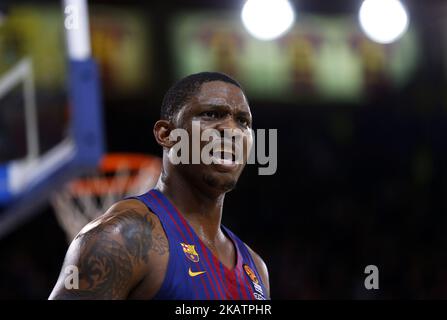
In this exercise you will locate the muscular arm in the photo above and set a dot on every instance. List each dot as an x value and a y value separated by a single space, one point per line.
110 254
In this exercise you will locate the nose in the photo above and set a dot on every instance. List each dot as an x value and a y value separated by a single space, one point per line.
228 123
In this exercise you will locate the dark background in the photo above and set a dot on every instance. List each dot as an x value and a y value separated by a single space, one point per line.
357 184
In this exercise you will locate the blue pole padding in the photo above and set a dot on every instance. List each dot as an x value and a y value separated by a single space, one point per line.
86 105
5 193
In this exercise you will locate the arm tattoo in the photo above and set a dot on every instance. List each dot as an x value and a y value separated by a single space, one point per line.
106 262
160 244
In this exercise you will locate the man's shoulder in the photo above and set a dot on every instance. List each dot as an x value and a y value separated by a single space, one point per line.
112 252
257 258
128 219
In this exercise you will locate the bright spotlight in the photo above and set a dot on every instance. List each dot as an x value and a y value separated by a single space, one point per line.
267 19
383 21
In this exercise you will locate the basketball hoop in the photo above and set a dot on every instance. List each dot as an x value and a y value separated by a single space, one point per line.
118 176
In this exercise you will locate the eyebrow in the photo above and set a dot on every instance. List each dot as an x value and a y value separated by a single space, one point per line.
222 105
226 106
216 104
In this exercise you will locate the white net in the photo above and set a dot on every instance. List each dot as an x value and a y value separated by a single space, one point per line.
119 176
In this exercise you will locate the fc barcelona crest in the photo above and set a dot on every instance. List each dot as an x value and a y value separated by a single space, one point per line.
251 274
190 252
258 293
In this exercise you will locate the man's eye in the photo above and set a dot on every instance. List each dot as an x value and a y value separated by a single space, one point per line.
210 114
244 122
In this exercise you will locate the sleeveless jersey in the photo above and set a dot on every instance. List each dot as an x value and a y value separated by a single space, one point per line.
193 272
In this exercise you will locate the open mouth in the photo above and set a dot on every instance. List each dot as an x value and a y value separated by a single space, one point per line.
225 153
224 157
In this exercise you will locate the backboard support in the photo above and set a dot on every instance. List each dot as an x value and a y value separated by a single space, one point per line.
26 183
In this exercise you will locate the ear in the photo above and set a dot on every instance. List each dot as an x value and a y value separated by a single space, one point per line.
162 130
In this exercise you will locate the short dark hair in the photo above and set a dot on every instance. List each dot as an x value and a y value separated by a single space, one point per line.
185 88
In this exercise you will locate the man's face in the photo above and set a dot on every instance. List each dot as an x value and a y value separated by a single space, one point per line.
222 107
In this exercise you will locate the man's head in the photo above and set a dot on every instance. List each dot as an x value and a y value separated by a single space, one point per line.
218 103
181 92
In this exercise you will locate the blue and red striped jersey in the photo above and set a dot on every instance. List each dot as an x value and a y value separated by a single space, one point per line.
194 272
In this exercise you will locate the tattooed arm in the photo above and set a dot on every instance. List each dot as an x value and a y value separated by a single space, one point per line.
110 253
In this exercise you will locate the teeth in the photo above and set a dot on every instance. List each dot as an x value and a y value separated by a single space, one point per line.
223 154
222 161
223 150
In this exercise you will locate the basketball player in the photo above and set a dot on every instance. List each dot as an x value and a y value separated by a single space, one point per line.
169 243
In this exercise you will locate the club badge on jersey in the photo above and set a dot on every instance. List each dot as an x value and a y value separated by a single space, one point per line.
258 293
190 252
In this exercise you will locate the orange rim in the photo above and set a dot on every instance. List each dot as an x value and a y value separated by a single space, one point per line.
112 161
101 185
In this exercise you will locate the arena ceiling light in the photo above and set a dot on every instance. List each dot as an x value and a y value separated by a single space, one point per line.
267 19
383 21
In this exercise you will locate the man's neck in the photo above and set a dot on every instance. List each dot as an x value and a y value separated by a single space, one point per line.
202 211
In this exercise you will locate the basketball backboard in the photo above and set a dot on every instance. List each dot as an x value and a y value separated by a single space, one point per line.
50 104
